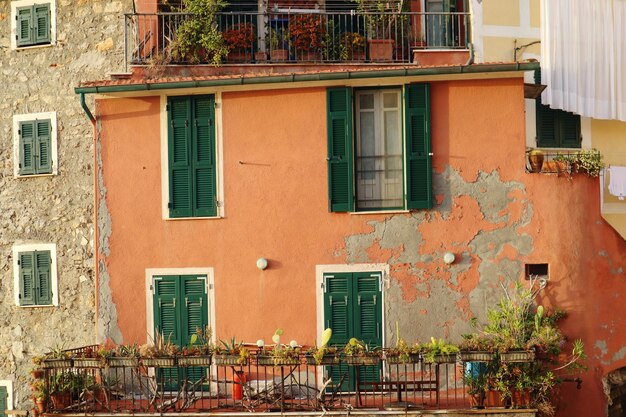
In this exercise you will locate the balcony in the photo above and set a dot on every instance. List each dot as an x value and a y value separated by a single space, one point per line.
215 385
315 37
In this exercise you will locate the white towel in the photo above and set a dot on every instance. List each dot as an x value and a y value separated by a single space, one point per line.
617 182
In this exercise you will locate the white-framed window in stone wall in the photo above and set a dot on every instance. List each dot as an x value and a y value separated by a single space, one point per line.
6 395
35 144
35 275
33 23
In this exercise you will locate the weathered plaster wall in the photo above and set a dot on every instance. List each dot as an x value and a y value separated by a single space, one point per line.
55 209
492 214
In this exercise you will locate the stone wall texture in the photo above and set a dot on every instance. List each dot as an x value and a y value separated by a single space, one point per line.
53 209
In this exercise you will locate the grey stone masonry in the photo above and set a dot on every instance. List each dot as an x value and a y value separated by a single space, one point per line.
52 209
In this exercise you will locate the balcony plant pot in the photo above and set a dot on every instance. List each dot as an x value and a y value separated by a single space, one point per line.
279 55
87 363
41 403
161 362
203 360
517 356
444 359
397 360
329 359
229 360
478 400
363 360
56 363
61 400
493 399
37 373
267 360
520 399
239 56
121 362
476 356
260 56
380 50
535 158
308 56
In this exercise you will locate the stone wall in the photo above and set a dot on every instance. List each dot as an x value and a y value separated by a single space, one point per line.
53 209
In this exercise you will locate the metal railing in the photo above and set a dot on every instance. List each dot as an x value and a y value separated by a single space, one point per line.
315 37
258 385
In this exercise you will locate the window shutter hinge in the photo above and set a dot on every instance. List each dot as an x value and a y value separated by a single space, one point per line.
18 262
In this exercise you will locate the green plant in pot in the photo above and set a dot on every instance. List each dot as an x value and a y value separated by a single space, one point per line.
323 355
230 353
40 395
589 161
475 380
384 25
358 352
279 354
198 38
438 351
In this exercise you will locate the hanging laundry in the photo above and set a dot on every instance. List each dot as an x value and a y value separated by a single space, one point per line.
617 181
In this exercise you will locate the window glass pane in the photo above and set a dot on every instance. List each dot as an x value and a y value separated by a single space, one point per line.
379 167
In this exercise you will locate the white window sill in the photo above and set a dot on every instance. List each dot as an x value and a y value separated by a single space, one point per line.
25 48
194 218
39 306
380 212
34 176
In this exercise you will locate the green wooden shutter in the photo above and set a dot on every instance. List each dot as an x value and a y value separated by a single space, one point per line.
179 155
42 23
368 317
24 26
27 278
4 401
418 158
569 129
338 316
340 162
204 172
27 148
43 156
194 315
43 281
546 126
166 317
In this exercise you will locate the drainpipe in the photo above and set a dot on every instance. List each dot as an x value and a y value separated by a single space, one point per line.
470 60
83 104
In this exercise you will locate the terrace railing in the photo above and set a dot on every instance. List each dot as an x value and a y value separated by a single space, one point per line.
314 37
259 384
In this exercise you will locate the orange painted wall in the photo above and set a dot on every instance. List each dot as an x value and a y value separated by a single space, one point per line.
276 207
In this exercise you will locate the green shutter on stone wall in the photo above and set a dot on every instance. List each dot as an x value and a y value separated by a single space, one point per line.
43 160
418 158
27 147
27 278
24 35
203 156
41 20
43 263
340 159
4 400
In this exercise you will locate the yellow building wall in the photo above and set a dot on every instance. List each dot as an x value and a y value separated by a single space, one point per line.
501 13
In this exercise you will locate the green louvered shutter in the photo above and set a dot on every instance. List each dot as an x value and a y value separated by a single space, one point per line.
569 129
179 155
418 158
546 126
338 316
194 315
204 173
43 157
42 23
24 26
166 307
43 263
339 125
27 148
27 278
4 401
368 317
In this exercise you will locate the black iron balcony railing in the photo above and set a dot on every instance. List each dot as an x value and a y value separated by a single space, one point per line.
314 37
186 384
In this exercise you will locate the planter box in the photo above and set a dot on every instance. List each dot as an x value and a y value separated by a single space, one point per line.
396 360
264 360
204 360
87 363
517 356
56 363
123 362
326 360
362 360
279 55
476 356
166 362
229 360
444 359
380 49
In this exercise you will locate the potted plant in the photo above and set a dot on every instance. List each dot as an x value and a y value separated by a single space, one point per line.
324 355
278 41
403 352
62 387
589 161
199 352
535 158
121 356
382 23
87 358
57 358
439 351
230 353
198 37
358 352
279 354
306 34
475 379
353 45
476 348
40 395
161 354
240 42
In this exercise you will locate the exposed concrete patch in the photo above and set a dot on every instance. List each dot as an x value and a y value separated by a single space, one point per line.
601 344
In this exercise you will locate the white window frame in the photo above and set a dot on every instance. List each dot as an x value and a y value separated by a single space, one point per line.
30 247
17 4
52 116
151 273
9 386
219 158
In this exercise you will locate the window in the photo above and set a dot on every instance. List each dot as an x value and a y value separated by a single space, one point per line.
35 275
379 168
33 23
191 156
34 143
6 397
556 128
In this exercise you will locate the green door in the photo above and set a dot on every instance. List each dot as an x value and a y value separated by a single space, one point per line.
180 307
353 308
